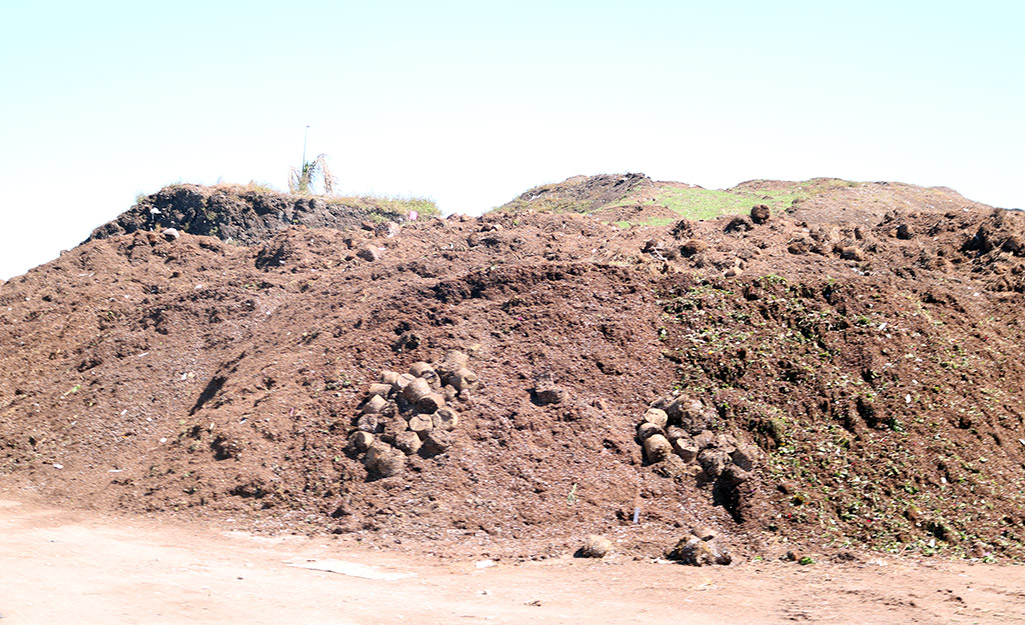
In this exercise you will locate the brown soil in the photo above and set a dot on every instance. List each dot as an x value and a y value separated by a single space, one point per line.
867 344
61 567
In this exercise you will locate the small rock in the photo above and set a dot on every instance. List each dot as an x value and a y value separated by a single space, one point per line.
445 419
672 467
430 403
905 232
367 423
685 449
454 361
852 253
696 552
657 448
437 442
369 253
388 377
382 389
690 414
392 427
725 442
463 380
401 382
760 214
375 404
360 441
408 442
415 390
745 457
673 433
551 395
427 372
645 429
171 234
713 462
449 392
704 439
384 460
421 424
594 546
656 416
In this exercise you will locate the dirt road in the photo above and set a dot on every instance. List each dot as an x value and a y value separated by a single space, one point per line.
73 567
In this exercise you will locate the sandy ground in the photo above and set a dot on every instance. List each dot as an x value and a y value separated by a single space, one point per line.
73 567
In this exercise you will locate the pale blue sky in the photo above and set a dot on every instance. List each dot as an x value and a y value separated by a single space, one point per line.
472 102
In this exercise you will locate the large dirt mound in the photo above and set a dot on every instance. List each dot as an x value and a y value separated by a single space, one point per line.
818 382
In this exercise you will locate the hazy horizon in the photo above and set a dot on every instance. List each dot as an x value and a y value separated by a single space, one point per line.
472 104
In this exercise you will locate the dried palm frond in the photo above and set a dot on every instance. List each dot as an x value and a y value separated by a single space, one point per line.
301 181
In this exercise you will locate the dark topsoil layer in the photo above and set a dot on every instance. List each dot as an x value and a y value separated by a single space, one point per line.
867 344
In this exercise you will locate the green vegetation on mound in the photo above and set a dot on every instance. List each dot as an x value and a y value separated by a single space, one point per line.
881 428
648 201
698 203
383 208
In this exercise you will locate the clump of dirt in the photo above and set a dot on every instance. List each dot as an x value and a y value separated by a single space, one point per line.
818 382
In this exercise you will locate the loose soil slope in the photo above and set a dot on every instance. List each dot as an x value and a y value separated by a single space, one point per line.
855 363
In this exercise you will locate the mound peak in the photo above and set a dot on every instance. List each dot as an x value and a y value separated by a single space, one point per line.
251 214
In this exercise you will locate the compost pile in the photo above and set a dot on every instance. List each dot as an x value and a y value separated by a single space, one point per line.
842 373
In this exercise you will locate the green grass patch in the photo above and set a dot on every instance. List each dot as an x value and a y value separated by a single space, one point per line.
384 208
696 203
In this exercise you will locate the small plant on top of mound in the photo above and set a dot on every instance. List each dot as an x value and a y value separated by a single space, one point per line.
301 181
